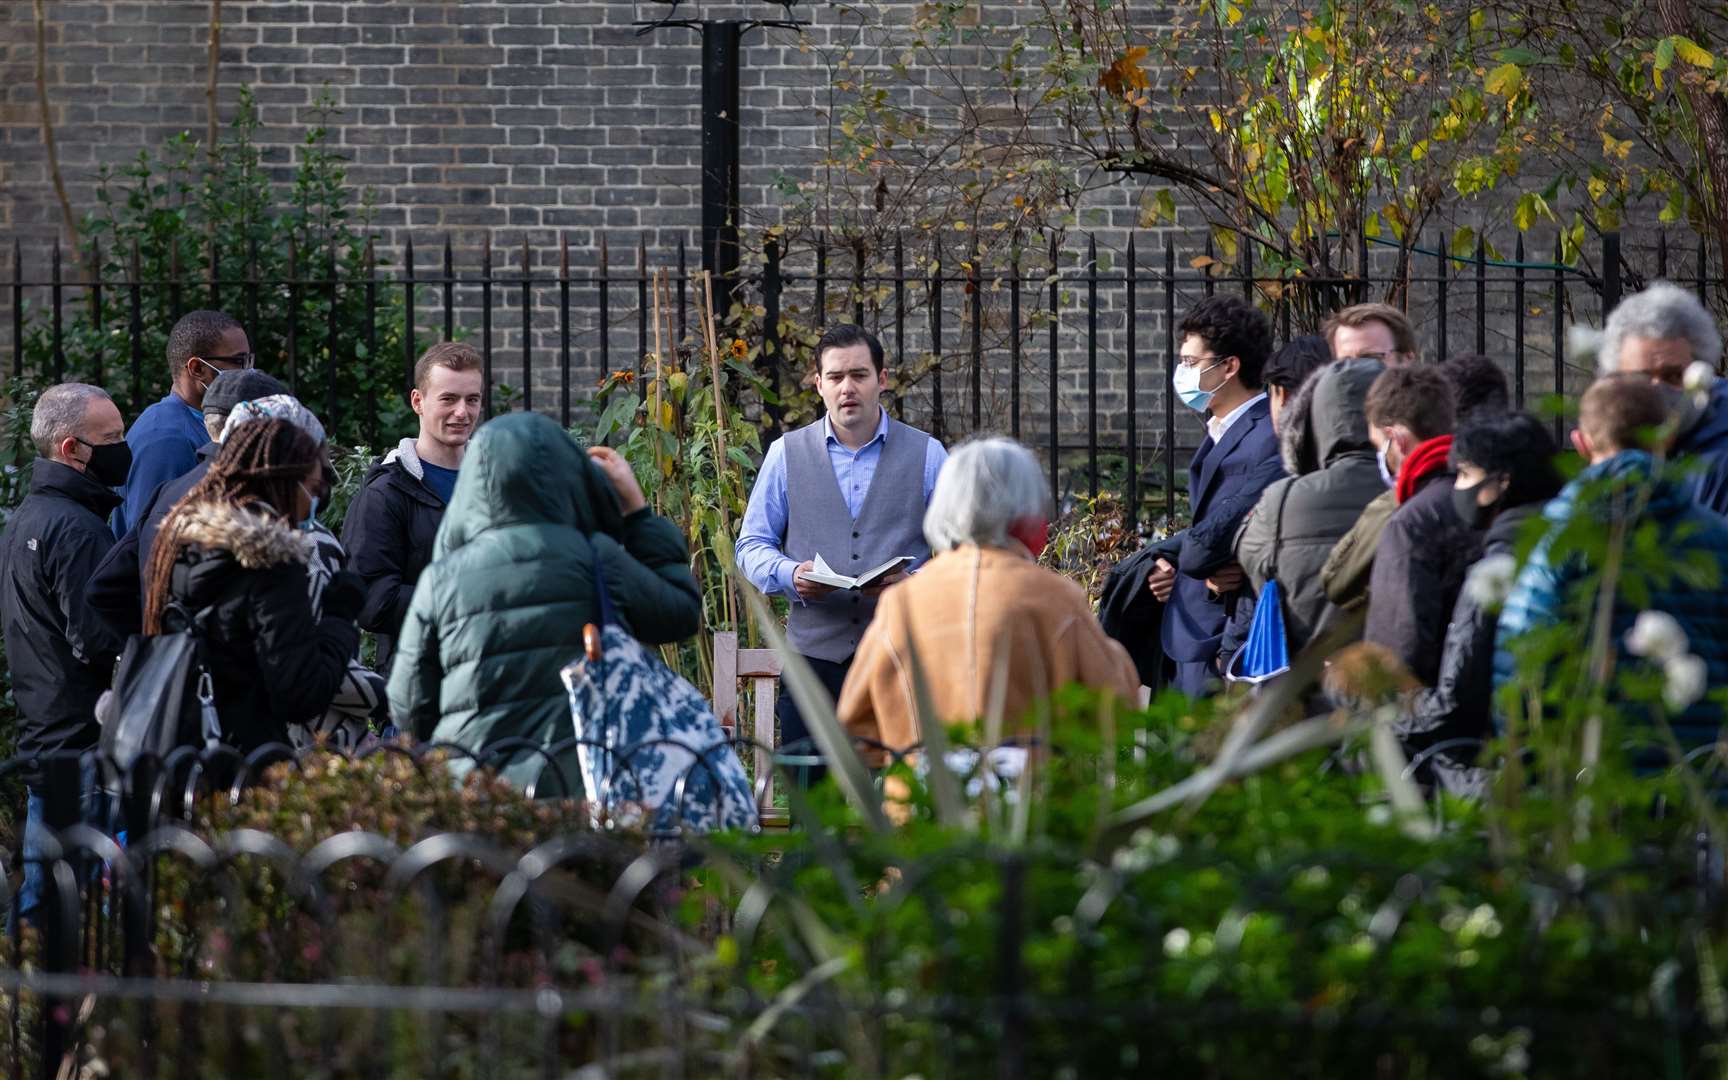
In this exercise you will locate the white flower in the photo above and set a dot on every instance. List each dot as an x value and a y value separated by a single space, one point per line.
1176 942
1490 581
1657 636
1699 378
1686 679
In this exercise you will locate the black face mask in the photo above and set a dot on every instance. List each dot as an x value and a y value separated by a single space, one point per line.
109 463
1469 511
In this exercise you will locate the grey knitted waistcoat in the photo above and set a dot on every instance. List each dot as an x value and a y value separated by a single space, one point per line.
890 523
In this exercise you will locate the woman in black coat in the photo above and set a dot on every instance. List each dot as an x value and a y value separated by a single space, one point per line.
233 554
1505 474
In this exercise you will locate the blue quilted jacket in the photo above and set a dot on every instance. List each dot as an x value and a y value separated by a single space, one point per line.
1539 596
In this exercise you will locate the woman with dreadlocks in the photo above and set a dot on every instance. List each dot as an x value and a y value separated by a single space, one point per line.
233 553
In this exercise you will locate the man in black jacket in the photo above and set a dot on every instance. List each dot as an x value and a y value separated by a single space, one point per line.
395 515
1420 561
60 655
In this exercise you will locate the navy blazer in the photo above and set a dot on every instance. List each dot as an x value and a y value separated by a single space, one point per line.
1224 482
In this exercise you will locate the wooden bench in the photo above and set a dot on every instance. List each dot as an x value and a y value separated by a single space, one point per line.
762 668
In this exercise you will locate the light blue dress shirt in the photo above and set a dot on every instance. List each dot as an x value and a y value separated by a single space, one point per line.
758 552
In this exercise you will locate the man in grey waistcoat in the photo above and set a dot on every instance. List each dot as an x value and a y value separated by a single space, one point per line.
852 488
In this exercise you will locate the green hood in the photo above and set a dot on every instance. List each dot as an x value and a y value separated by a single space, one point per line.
522 469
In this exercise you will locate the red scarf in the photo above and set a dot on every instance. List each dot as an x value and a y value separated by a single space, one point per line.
1424 461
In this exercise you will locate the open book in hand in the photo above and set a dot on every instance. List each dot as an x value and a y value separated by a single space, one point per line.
823 574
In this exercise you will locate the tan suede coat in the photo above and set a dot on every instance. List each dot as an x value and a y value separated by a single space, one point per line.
962 610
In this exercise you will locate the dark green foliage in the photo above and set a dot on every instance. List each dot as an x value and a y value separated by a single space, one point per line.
271 249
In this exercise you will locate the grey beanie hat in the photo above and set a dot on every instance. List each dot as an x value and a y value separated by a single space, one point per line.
232 387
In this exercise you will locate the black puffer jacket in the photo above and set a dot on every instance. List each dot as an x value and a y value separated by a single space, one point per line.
117 590
1323 437
60 655
1457 705
388 534
1418 570
272 661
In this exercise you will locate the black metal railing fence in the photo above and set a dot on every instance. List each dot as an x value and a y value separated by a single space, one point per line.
1068 348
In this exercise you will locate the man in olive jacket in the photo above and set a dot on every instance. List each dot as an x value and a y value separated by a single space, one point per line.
501 608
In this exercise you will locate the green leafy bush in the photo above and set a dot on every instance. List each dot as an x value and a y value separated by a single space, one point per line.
189 216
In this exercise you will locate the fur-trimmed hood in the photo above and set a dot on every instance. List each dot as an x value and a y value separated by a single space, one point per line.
256 539
1325 417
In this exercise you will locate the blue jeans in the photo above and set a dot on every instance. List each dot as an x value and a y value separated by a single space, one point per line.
92 810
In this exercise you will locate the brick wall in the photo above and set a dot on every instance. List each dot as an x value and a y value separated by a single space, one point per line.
531 120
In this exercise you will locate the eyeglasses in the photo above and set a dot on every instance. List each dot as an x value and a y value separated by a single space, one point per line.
239 361
1196 361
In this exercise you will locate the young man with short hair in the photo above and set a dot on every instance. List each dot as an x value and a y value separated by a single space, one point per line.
1622 421
394 517
851 488
60 654
1422 555
1372 332
166 437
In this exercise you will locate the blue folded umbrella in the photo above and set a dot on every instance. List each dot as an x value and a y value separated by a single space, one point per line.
1266 653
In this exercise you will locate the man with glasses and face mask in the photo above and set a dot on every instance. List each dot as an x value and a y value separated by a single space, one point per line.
166 437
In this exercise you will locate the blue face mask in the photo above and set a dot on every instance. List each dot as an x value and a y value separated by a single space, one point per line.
311 521
1186 382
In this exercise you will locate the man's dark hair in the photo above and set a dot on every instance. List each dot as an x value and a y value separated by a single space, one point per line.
1231 326
845 336
1420 398
1478 386
1515 445
198 333
1299 358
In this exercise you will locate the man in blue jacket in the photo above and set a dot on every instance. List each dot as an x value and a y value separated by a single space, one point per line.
166 437
1556 585
1225 341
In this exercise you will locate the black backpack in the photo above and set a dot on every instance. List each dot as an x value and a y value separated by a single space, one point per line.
164 697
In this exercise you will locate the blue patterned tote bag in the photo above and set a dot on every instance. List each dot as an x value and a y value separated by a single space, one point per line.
644 730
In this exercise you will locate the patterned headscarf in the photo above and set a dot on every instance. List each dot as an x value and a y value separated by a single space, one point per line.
275 407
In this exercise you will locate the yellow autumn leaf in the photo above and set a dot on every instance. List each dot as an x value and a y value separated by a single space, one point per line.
1597 187
1693 53
1232 15
1504 81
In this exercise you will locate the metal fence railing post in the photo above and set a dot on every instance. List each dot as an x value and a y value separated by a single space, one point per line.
1518 324
408 317
563 328
1167 391
486 327
1610 273
1131 391
1092 365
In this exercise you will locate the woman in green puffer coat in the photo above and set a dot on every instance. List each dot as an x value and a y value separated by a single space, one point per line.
501 608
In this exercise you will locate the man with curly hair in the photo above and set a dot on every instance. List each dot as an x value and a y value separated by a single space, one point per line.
1225 341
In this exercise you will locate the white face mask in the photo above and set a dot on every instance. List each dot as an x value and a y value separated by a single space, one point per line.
1385 473
1186 382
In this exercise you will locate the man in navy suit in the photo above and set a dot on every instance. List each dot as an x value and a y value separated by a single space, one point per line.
1225 343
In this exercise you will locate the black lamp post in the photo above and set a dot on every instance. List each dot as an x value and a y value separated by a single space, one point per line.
721 39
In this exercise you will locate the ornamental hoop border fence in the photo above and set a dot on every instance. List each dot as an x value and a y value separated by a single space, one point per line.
637 1001
1061 301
